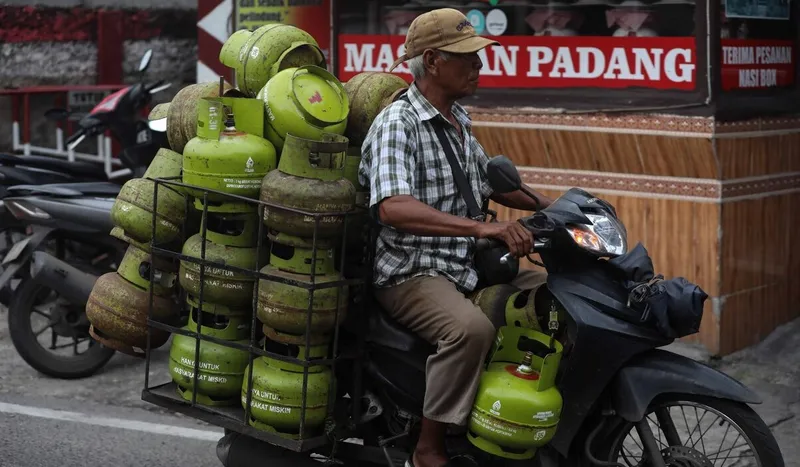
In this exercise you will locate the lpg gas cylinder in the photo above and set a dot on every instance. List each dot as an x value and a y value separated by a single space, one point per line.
517 406
295 254
259 55
235 163
220 368
285 307
182 112
356 224
310 178
136 266
494 301
304 101
277 394
220 285
230 224
133 208
118 312
369 93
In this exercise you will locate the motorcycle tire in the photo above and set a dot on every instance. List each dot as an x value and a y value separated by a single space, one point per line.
749 422
28 347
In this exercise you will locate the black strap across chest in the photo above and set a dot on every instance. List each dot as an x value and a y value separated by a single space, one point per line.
460 178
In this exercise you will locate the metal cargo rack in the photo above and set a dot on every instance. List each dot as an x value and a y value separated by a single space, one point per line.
236 418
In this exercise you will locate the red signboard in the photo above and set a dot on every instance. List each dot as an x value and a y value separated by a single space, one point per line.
757 64
549 61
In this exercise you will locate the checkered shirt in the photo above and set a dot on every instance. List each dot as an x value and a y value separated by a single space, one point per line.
402 155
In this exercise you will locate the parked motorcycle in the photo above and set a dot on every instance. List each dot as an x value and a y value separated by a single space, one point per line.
625 401
119 113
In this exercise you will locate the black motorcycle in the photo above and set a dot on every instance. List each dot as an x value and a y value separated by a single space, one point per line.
625 401
119 113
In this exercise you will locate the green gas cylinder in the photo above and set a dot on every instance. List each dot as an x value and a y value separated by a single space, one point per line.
182 112
305 101
135 268
220 285
230 224
235 163
259 55
310 178
220 368
117 311
369 93
295 254
517 406
277 394
356 224
133 209
284 307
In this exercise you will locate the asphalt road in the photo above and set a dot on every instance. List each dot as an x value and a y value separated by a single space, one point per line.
97 421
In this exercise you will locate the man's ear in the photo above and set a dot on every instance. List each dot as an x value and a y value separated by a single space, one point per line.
429 58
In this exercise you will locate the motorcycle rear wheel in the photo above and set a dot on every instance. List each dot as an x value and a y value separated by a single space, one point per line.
736 421
25 340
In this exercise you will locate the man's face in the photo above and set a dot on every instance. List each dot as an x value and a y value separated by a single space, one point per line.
458 75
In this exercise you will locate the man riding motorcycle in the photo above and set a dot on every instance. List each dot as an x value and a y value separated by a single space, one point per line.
423 258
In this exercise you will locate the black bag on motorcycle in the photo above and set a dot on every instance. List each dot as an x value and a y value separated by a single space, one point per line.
674 306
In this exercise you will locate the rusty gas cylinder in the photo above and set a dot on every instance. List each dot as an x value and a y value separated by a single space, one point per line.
182 113
369 92
117 311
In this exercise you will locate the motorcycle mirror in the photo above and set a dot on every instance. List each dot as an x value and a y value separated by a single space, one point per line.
159 124
145 60
503 175
56 114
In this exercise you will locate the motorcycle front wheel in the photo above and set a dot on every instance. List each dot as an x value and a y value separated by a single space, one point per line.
696 432
33 300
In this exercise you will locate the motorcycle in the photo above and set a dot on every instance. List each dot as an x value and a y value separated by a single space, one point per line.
118 113
625 400
75 220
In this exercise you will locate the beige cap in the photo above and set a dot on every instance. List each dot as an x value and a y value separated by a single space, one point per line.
446 29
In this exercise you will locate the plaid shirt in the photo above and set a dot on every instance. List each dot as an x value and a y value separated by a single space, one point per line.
402 155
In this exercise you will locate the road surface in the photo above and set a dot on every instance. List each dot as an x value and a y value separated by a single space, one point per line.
96 421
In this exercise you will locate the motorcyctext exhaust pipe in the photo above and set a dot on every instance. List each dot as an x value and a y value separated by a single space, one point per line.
71 283
237 450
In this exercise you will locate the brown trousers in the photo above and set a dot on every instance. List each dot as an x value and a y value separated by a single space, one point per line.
434 308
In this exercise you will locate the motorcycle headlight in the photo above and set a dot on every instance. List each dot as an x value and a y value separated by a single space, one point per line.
604 235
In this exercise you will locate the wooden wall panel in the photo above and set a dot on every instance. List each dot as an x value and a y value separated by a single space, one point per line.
758 156
748 317
523 146
754 242
706 248
708 335
677 156
614 152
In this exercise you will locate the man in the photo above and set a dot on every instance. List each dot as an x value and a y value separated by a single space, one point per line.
423 263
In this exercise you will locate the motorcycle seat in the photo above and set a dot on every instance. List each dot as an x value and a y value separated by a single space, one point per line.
100 189
385 331
77 168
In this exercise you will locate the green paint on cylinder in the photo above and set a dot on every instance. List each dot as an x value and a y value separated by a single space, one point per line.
277 395
285 307
235 164
295 254
517 406
220 368
135 268
306 102
220 285
259 55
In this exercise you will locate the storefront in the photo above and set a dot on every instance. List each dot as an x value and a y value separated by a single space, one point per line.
685 115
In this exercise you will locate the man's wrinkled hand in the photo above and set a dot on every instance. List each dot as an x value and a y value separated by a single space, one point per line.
518 239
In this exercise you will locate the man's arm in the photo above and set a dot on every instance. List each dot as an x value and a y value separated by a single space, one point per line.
392 171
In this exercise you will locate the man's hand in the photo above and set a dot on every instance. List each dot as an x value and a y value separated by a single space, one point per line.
518 239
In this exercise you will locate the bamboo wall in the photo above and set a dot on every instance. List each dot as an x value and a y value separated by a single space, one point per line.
716 203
